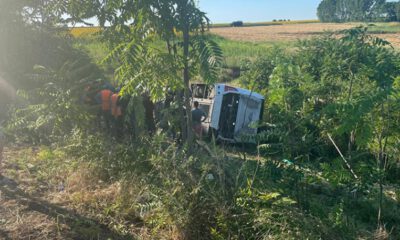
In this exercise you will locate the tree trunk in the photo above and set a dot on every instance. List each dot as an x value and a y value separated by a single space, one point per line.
381 169
186 80
182 115
149 108
382 163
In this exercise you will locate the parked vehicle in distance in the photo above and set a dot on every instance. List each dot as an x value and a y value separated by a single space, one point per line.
232 113
237 24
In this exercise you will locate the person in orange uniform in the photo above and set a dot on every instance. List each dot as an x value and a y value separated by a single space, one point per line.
104 99
116 112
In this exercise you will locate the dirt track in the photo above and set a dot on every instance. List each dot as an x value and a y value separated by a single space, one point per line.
290 32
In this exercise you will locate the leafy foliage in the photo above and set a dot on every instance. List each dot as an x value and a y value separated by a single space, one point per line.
340 86
357 10
52 108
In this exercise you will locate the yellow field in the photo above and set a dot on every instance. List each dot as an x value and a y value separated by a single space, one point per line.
84 31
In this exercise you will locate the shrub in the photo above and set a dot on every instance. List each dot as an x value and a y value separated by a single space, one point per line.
237 24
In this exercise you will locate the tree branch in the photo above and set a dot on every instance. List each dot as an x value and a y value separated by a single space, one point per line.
344 159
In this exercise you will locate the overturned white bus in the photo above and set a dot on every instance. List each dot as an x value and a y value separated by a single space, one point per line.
232 112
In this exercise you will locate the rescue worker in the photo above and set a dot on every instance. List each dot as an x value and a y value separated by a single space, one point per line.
198 116
104 99
116 112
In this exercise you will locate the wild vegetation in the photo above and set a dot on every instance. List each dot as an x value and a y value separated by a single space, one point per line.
358 10
325 166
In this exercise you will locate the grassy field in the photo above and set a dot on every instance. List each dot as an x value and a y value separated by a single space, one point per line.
236 52
96 49
393 27
253 40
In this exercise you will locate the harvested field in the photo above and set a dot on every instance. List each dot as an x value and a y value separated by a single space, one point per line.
290 32
279 33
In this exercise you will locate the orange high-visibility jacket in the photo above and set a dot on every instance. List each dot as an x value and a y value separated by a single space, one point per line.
116 110
106 99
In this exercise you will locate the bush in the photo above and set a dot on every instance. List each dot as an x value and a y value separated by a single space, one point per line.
237 24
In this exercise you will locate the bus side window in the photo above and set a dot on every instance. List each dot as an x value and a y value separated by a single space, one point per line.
199 91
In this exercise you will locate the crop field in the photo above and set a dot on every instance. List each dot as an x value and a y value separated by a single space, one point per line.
80 32
277 32
251 42
293 32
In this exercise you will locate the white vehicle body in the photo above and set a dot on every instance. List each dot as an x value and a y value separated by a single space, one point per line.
232 112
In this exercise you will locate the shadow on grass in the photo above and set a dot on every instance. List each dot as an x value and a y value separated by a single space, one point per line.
82 227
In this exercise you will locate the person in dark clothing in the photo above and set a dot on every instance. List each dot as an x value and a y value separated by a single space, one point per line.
198 116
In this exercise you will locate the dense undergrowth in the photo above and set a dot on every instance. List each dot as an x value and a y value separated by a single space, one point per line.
160 192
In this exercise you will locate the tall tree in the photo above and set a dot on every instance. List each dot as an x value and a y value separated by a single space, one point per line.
397 10
327 11
389 11
355 10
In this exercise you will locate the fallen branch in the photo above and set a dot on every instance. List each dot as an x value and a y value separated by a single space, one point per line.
344 159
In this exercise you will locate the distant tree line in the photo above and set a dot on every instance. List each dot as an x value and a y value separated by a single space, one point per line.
358 10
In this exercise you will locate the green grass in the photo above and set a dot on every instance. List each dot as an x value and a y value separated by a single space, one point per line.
96 49
236 52
393 27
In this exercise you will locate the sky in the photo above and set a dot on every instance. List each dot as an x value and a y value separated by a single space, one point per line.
226 11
